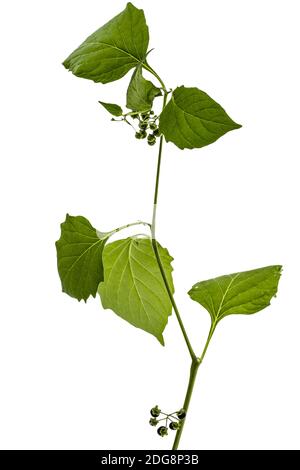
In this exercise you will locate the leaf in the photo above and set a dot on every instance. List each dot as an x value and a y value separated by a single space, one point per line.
112 108
192 119
133 286
79 257
141 92
239 293
111 51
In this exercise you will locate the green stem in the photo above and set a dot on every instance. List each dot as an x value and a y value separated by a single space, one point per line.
193 374
139 222
170 294
195 361
153 226
150 69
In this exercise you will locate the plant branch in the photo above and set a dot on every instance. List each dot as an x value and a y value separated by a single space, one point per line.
193 374
153 225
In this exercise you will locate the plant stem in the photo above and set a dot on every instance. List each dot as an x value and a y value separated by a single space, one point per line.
153 226
170 294
195 360
150 69
139 222
193 374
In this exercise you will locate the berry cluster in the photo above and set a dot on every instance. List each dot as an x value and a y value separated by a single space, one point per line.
147 121
172 420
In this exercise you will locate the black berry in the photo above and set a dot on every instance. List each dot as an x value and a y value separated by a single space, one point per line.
151 138
174 425
162 431
155 411
153 421
181 414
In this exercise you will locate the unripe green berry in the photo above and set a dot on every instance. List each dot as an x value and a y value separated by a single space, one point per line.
144 116
156 132
151 142
162 431
138 135
181 414
174 425
143 134
155 411
153 126
143 125
153 421
151 112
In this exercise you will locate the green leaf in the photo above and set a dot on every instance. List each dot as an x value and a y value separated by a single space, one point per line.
141 92
133 287
112 108
239 293
192 119
79 257
111 51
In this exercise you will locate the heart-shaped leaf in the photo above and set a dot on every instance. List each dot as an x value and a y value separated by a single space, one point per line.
79 257
239 293
133 286
111 51
192 119
141 92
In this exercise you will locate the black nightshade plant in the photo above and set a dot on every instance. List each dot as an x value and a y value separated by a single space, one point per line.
133 276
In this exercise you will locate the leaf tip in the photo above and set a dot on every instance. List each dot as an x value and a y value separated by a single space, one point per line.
66 64
131 5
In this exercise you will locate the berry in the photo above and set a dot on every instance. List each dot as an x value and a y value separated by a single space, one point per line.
151 138
181 413
143 134
162 431
151 142
138 135
153 421
153 126
135 115
155 411
151 112
143 125
156 132
144 116
174 425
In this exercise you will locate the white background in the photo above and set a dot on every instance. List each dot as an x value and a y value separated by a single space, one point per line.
76 377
